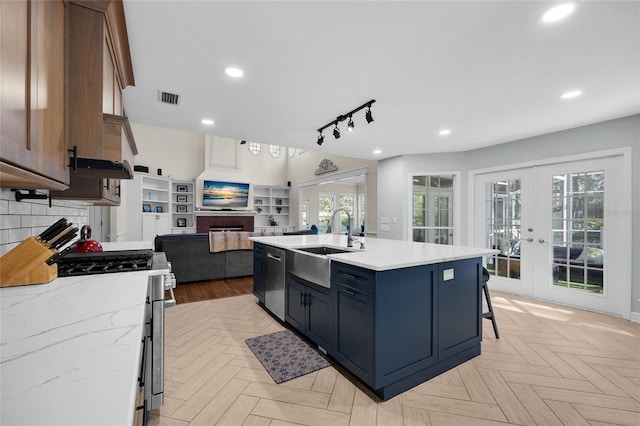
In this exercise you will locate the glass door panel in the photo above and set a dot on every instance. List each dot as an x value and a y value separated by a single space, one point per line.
504 223
577 218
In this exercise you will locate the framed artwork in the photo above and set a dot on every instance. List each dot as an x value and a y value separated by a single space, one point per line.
258 201
182 222
182 188
181 209
158 209
146 208
181 198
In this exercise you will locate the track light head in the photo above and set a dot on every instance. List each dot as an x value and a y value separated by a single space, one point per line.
350 125
368 115
336 132
243 142
320 139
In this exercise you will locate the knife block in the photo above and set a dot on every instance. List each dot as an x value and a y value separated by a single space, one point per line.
26 264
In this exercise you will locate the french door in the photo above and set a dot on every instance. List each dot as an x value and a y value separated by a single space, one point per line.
557 236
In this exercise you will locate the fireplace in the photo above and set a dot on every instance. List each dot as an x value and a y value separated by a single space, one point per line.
226 228
207 222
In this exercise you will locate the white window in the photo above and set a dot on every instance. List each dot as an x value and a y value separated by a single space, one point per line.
432 220
274 151
255 148
292 152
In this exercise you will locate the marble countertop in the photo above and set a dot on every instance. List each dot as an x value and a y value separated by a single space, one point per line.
70 350
379 254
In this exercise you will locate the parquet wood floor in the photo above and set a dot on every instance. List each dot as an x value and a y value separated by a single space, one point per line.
553 365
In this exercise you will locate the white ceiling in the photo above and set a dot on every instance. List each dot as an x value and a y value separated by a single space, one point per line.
490 71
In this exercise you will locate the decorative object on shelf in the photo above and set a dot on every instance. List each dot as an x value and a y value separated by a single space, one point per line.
181 209
181 198
182 222
278 201
279 210
271 221
159 172
182 188
151 196
158 209
325 166
258 202
259 209
342 117
146 208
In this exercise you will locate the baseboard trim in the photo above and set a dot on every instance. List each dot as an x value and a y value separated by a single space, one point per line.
635 317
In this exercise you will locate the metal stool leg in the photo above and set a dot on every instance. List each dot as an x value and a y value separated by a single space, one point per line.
489 314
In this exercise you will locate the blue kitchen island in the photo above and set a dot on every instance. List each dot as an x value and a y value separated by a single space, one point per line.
394 314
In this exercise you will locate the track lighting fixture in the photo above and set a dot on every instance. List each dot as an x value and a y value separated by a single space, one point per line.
368 115
350 123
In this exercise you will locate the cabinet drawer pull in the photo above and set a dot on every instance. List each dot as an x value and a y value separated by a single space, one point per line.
349 292
349 276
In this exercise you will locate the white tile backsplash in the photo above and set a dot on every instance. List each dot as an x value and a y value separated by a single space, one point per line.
20 220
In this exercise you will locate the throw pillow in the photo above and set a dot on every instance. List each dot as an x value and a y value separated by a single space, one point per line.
592 254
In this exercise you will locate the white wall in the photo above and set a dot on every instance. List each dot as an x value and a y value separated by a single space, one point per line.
393 173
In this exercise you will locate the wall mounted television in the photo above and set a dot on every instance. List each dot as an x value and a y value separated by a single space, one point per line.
224 195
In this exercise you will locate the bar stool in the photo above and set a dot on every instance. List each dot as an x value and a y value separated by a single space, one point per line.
488 315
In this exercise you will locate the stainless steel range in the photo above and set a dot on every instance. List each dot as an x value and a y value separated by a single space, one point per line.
104 262
160 280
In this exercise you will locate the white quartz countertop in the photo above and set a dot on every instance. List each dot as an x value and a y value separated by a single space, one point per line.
379 254
70 350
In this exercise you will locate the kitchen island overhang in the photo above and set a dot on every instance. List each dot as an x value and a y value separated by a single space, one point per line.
395 315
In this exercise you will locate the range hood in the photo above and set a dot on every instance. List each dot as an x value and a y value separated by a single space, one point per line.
92 167
109 157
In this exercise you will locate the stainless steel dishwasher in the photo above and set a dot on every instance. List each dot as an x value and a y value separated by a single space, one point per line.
274 284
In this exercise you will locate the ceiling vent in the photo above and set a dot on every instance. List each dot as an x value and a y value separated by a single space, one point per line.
168 98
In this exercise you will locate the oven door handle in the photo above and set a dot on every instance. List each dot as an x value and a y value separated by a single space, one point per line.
170 302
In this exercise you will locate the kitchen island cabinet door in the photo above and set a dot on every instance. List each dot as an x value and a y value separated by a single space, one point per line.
309 309
459 304
355 326
33 151
320 318
295 302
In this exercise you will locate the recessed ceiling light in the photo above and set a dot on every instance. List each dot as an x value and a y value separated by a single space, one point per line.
444 132
207 121
377 151
234 72
571 94
559 12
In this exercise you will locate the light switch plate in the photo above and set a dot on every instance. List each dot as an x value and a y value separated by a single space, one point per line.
384 226
447 274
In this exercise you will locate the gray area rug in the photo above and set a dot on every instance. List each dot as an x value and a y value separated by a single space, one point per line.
285 355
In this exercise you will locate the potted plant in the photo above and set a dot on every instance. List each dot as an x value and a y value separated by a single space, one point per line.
271 220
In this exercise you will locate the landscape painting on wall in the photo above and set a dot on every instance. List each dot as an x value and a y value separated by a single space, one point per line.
225 195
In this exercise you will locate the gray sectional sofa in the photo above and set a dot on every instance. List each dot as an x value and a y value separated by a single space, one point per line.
191 259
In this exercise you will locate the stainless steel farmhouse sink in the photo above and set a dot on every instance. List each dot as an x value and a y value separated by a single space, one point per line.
312 263
324 250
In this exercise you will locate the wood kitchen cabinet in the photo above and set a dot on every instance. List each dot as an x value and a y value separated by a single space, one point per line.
98 191
32 107
99 70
